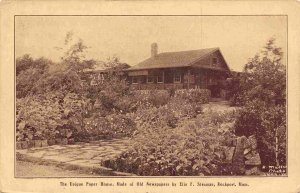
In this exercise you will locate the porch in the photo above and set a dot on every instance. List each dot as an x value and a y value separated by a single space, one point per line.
177 78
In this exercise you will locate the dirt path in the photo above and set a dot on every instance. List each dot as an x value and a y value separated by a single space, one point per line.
29 169
218 106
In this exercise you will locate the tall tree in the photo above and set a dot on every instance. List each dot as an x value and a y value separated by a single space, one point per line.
263 94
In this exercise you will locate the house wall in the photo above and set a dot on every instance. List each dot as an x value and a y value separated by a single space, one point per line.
168 79
189 78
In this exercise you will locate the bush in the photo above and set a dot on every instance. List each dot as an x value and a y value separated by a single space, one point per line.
148 115
111 91
113 125
155 117
159 97
36 115
49 116
267 123
183 108
194 95
263 94
155 98
195 149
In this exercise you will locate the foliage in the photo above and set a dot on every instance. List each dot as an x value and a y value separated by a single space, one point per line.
267 123
155 98
263 96
155 117
158 97
114 66
49 116
51 99
113 95
113 125
233 87
264 77
183 108
61 81
197 148
194 95
35 115
28 72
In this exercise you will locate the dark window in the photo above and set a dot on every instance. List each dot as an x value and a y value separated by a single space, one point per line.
135 80
150 79
142 79
177 78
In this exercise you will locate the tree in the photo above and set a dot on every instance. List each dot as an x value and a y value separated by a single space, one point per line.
51 99
263 96
28 72
113 91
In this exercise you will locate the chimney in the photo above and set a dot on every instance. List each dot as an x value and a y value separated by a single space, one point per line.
153 50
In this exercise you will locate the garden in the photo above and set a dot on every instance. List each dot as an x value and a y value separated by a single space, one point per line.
171 132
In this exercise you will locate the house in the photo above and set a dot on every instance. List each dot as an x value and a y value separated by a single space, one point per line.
203 68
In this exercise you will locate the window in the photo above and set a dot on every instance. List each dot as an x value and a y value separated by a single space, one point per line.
214 61
134 80
160 78
177 78
150 79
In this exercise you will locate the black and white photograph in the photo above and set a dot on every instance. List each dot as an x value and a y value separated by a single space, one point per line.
150 95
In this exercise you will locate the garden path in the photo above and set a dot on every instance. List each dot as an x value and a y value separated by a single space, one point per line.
219 106
81 156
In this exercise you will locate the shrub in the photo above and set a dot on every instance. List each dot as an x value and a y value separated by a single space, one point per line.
113 125
171 91
194 95
159 97
267 123
155 117
194 149
168 115
49 116
111 91
263 94
183 108
152 97
126 104
35 115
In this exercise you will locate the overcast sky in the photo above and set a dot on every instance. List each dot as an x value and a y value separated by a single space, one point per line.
129 37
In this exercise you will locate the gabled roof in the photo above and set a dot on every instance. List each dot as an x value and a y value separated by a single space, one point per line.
173 59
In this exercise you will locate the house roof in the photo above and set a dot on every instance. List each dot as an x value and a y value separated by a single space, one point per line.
173 59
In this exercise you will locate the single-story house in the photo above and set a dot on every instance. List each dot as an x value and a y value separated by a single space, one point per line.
203 68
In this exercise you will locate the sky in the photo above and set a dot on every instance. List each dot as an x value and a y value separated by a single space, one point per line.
130 37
